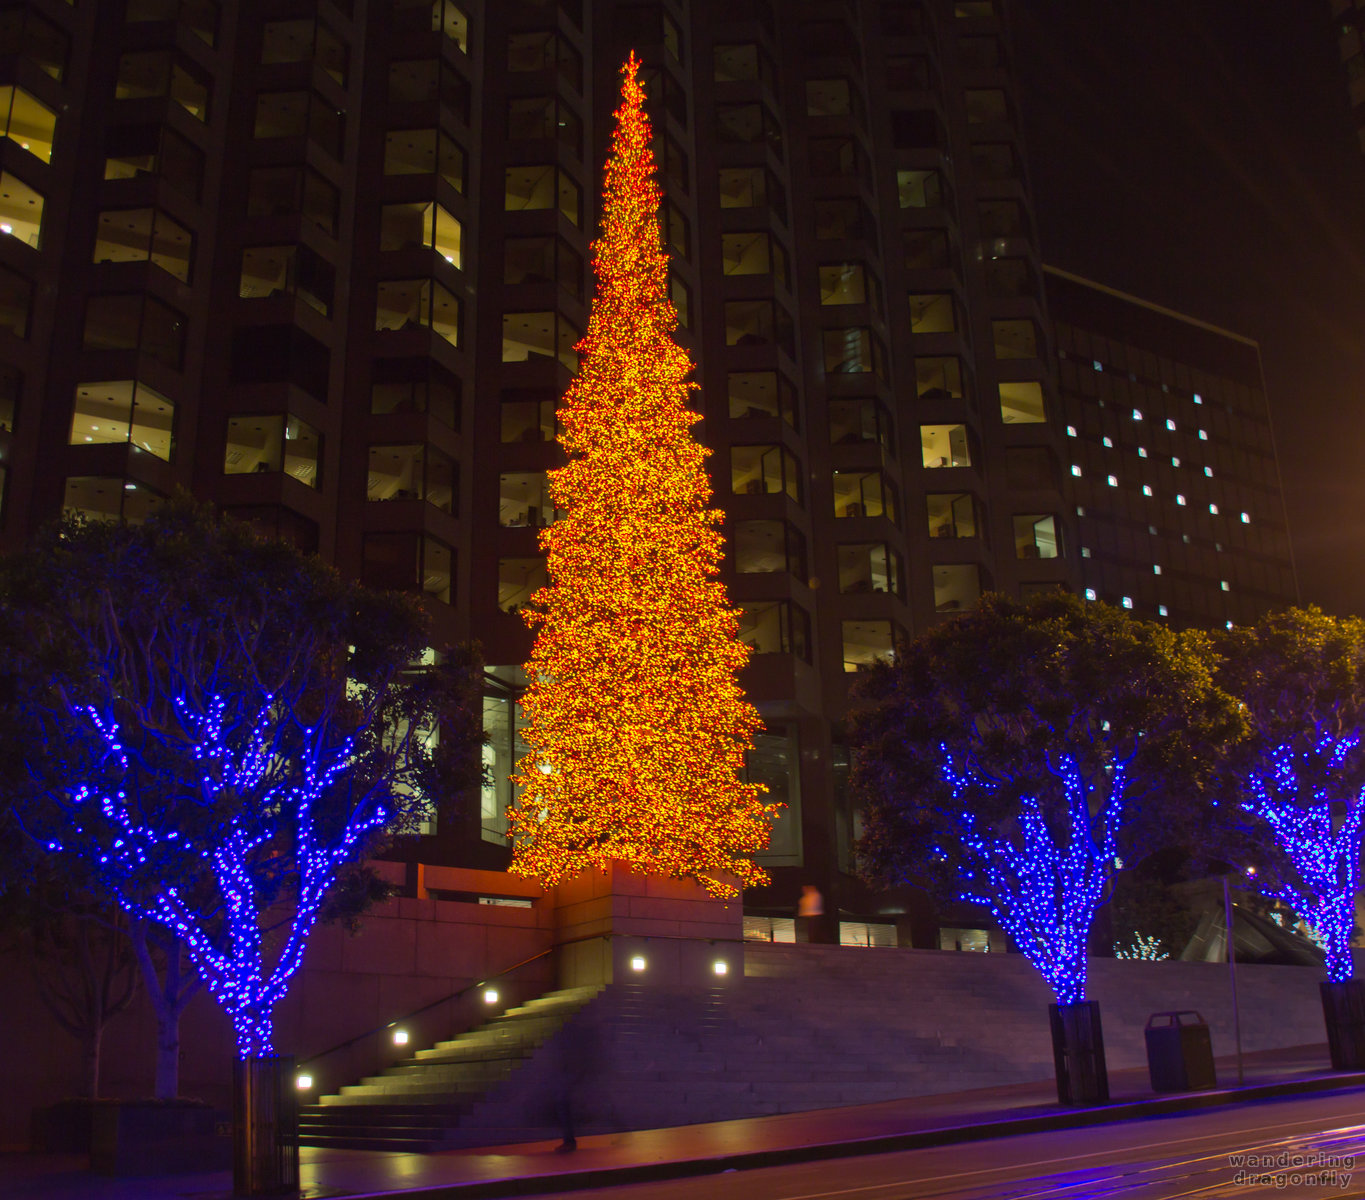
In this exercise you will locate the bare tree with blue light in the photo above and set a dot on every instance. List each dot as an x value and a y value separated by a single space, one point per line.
216 725
1020 755
1300 778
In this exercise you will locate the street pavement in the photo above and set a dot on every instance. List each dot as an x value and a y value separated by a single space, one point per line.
813 1143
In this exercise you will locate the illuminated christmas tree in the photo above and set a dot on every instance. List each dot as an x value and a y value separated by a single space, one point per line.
637 726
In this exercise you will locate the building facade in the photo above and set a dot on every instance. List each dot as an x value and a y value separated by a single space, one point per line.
1171 460
1349 19
324 262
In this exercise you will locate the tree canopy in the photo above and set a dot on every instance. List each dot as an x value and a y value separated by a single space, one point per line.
215 724
1017 755
1299 777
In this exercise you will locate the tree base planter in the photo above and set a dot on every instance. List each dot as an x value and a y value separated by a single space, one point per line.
1078 1053
64 1127
157 1137
1343 1010
615 925
265 1127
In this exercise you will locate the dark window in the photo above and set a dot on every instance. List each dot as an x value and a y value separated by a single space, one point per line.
416 385
527 416
663 96
541 187
543 260
834 157
758 323
199 16
762 394
981 53
764 470
293 191
429 81
925 249
765 547
738 63
748 125
304 40
281 523
994 161
143 73
424 152
280 354
412 471
120 322
545 50
852 351
909 72
775 627
858 420
25 34
409 562
866 567
904 18
544 118
1001 218
299 115
672 160
916 129
841 218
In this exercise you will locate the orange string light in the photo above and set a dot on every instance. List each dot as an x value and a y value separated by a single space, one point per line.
636 723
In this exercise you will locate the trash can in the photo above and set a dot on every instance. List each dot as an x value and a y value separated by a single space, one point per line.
1180 1052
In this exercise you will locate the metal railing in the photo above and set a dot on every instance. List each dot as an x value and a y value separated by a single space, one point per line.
449 998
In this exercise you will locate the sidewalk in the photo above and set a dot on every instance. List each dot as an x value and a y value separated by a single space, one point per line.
604 1159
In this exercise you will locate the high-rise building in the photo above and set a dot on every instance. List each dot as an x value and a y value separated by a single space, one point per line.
324 262
1349 19
1171 455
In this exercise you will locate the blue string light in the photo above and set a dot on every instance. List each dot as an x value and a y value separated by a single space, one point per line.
1044 891
1295 798
265 809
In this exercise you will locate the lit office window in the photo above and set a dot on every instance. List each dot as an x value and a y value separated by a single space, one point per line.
123 411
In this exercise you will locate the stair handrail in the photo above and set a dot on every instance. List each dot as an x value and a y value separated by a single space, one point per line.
586 937
417 1012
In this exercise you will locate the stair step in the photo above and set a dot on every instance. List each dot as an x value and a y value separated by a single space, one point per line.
328 1141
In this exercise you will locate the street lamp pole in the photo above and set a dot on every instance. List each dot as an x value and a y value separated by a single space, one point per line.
1232 976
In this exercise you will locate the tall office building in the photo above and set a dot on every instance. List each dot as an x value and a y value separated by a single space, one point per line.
1349 19
324 262
1171 456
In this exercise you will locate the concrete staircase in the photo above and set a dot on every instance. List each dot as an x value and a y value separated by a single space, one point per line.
414 1104
806 1027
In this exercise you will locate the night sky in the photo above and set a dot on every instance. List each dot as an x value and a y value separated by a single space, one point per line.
1201 154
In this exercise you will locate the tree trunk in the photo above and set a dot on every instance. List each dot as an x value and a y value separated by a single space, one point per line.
167 1059
90 1061
170 993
